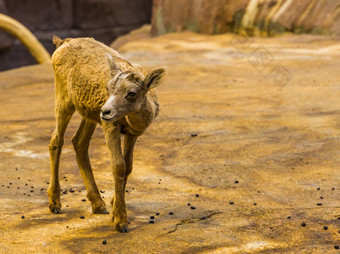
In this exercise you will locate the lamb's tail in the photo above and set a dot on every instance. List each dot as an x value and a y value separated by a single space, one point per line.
57 41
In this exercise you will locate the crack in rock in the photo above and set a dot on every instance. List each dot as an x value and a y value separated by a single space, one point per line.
194 220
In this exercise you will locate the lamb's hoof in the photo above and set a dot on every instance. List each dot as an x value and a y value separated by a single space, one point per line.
99 208
103 211
55 210
121 228
120 223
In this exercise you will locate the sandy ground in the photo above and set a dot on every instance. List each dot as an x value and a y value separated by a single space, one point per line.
250 125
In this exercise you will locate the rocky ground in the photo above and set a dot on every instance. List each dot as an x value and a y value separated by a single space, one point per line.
244 157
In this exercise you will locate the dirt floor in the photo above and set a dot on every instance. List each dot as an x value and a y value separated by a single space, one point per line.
244 154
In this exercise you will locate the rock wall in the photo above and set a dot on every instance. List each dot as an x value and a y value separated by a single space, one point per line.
252 17
104 20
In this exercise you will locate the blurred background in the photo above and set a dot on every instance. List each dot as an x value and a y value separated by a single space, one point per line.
105 20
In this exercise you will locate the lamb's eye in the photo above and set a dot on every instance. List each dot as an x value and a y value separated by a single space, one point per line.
132 94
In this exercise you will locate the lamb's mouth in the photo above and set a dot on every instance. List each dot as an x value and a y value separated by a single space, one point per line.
108 119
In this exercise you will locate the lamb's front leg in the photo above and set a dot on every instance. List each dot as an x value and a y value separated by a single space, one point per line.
113 140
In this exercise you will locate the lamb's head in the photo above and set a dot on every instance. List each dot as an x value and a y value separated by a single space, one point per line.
127 91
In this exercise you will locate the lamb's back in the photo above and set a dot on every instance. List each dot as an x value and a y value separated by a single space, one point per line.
81 66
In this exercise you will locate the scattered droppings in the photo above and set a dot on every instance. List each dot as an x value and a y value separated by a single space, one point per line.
65 180
66 226
289 217
32 187
24 194
171 213
318 188
192 207
102 191
258 191
152 217
159 183
303 224
8 187
151 221
325 227
64 177
65 192
104 242
66 206
333 188
23 217
28 195
160 179
157 214
82 217
321 197
236 181
188 204
203 218
126 190
319 204
83 200
29 180
231 203
336 247
42 189
18 188
79 191
71 190
197 195
18 177
255 203
16 168
26 184
3 185
47 182
31 190
194 134
10 183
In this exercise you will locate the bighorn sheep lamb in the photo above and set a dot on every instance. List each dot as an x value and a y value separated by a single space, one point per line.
104 88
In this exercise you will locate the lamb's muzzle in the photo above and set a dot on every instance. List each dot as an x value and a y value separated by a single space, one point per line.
108 113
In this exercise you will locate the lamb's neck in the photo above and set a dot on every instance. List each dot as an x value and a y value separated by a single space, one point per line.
140 120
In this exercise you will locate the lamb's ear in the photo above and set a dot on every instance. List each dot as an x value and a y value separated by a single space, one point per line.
154 78
114 67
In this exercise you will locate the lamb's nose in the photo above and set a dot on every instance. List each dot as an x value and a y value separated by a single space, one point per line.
106 112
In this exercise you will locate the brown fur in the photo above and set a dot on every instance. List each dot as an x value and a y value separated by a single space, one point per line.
87 73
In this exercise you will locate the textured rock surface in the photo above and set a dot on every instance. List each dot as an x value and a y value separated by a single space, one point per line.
274 130
104 20
254 17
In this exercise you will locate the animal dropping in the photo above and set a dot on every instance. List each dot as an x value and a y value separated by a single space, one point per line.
104 88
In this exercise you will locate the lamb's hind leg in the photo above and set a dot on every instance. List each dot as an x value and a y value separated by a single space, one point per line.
81 141
63 114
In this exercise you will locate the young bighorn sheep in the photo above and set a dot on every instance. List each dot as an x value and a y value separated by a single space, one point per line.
104 88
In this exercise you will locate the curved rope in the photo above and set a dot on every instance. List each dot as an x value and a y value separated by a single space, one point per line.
19 31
